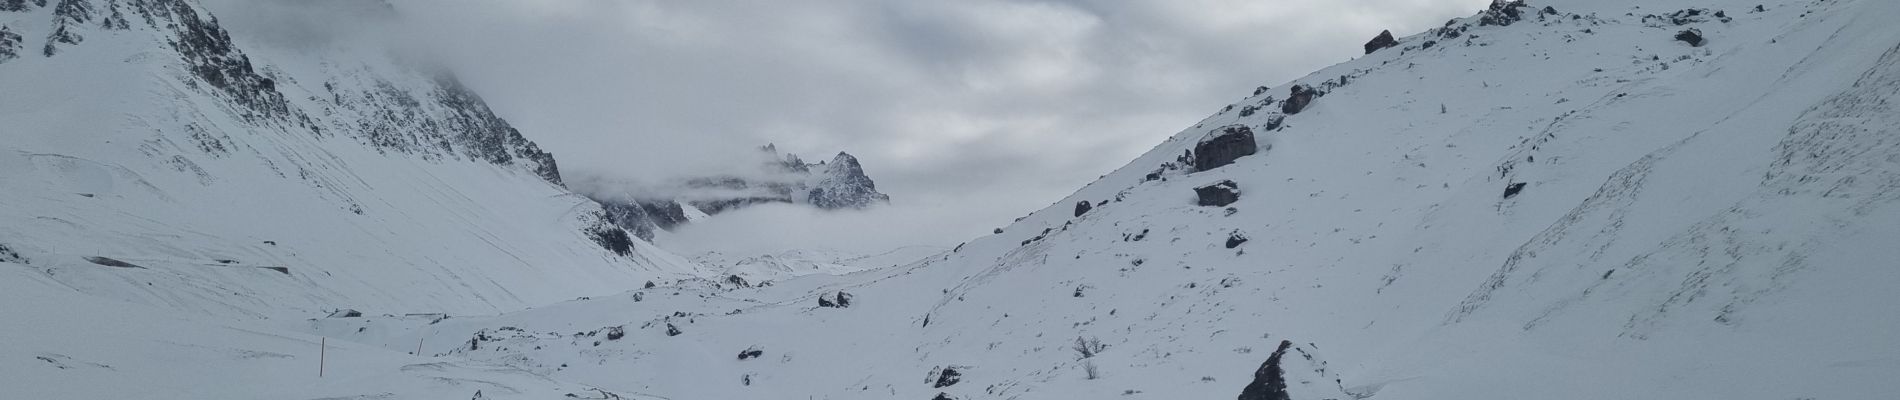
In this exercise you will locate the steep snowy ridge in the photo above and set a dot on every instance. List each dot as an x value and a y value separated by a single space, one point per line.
1566 199
167 185
279 182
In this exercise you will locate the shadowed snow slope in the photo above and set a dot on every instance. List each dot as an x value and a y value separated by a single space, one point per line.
1682 221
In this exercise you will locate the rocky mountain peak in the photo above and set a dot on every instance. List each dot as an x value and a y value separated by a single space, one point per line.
844 185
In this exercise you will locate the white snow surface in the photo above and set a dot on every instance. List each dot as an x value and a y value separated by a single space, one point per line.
1710 222
800 262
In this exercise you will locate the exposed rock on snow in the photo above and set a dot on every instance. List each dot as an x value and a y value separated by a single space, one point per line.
1384 40
1218 194
1297 99
1082 207
1513 189
9 44
945 377
1235 238
1692 36
8 255
1269 382
1224 145
1502 13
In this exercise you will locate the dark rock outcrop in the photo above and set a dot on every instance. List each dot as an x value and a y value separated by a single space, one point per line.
8 255
844 299
672 330
1082 207
10 44
1218 194
1692 36
1502 13
949 376
1382 41
19 5
345 313
1235 239
1513 189
1223 146
615 333
1297 101
751 352
611 238
1269 382
824 300
643 217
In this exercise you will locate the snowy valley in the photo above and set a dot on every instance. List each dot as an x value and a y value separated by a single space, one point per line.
1690 199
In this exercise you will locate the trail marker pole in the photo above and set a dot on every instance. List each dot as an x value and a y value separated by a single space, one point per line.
323 354
418 347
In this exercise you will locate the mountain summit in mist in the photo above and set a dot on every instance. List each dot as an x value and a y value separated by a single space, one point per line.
839 184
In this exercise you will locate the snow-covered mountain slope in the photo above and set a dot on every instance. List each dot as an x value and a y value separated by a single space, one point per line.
151 156
794 263
58 347
1562 202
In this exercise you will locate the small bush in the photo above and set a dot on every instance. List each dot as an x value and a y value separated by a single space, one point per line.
1089 347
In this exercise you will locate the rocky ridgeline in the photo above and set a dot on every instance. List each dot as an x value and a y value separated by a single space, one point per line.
447 121
838 184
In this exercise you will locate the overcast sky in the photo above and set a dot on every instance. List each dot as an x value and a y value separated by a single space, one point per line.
973 112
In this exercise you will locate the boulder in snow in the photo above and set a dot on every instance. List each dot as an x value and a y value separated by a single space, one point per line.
1382 41
948 376
345 313
1222 146
1513 189
1692 36
751 352
1218 194
1297 101
615 333
1082 207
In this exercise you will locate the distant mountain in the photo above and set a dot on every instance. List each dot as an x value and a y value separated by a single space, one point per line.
838 184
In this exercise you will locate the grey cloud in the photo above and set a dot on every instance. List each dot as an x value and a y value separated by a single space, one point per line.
981 109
